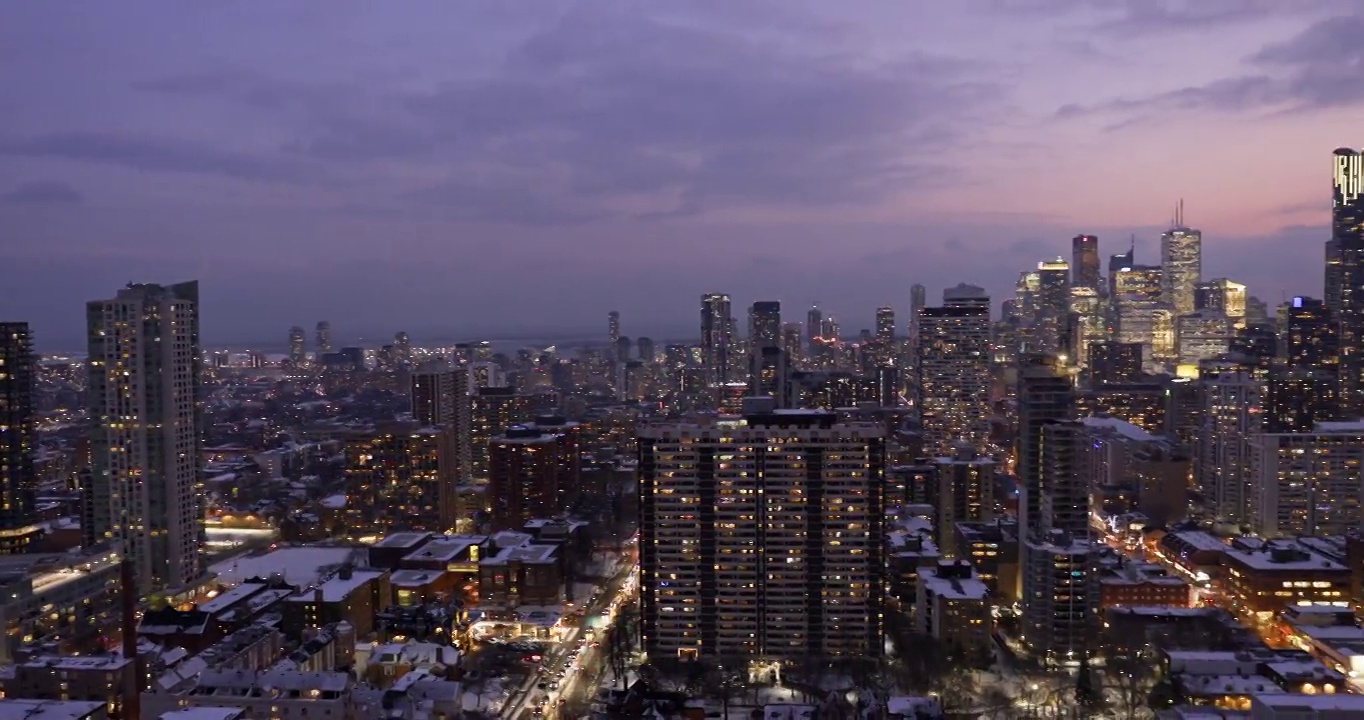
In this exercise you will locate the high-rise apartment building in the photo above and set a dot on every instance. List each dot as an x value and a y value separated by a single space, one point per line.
440 398
323 340
770 375
1113 363
298 345
1084 261
18 438
762 536
954 370
717 337
401 479
1232 409
533 472
965 493
1313 337
1306 483
1045 397
613 326
1181 264
814 323
144 367
494 410
1332 279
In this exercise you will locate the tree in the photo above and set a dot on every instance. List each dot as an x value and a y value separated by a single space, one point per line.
725 679
1132 677
1087 694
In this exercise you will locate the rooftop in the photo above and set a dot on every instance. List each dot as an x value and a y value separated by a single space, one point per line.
444 548
25 709
300 566
338 588
403 540
231 597
1120 426
415 578
204 713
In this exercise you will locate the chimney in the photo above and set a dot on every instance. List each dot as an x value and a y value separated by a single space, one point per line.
132 692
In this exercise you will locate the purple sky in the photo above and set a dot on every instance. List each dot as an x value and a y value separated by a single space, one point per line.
490 168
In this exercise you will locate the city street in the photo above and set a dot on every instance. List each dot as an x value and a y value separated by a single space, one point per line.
526 699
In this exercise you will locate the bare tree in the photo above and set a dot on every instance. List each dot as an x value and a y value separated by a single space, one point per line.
725 679
1132 677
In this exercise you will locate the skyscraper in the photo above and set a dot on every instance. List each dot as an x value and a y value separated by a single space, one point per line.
762 537
298 345
764 324
613 325
1053 305
144 366
814 321
324 337
1347 231
1181 264
1084 261
1333 275
885 324
17 439
716 337
954 370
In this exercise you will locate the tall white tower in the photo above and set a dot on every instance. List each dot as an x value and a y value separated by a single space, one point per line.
144 366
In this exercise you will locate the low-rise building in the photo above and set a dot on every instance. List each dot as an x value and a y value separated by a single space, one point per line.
352 596
30 709
953 607
64 602
1263 578
1139 583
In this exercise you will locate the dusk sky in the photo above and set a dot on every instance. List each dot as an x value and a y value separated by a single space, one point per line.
483 169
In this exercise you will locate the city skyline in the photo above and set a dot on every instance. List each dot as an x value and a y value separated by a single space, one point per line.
385 185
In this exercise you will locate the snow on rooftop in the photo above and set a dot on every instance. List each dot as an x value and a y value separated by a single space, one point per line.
204 713
25 709
337 589
1120 426
300 566
231 597
334 502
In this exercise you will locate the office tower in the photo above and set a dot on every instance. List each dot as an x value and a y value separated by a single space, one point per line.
764 324
918 300
1181 264
1232 409
770 375
18 439
790 340
814 323
1222 296
402 348
1120 262
534 472
494 410
1045 396
1306 483
1332 278
1114 362
622 351
613 325
1052 305
716 337
1347 230
965 493
646 350
298 345
1312 338
323 341
1084 261
144 367
762 538
1203 334
1089 319
954 370
885 324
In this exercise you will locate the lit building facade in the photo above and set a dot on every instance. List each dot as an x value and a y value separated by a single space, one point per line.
717 337
18 438
762 535
1181 265
954 370
1307 483
144 366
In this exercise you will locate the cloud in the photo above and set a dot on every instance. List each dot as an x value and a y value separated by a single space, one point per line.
150 154
1317 69
48 192
620 113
